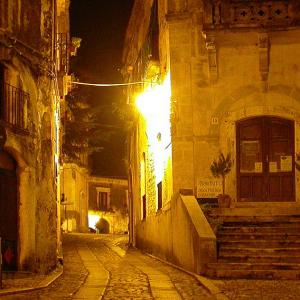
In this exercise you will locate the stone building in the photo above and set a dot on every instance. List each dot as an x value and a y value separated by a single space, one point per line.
218 76
33 69
74 201
108 204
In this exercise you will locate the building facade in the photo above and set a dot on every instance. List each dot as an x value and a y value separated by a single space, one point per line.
33 65
74 199
219 77
108 205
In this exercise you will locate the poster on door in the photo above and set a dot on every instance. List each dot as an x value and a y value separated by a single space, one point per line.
286 163
273 166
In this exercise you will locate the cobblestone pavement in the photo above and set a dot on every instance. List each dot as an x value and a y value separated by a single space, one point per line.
137 276
128 274
65 286
260 289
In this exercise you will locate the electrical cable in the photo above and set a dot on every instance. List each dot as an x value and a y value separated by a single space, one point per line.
109 84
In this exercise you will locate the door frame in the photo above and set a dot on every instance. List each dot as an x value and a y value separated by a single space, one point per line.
266 174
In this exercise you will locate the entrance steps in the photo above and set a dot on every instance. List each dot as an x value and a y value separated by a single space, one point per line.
258 247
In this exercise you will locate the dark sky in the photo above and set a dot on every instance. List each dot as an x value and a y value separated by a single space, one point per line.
101 25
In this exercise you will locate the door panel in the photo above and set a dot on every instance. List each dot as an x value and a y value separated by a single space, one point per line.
8 219
257 188
245 187
287 184
265 159
250 154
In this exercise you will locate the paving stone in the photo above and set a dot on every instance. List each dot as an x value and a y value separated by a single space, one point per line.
89 260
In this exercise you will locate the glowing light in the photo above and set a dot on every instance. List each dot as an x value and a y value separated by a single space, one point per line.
93 218
154 104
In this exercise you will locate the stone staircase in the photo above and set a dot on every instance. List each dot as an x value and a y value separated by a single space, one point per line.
261 247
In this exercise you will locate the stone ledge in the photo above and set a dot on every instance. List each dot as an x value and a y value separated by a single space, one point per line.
45 283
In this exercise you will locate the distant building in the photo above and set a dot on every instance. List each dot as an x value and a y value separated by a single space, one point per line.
108 204
33 68
74 199
219 76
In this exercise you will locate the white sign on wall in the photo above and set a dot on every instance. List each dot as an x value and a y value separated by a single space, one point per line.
209 188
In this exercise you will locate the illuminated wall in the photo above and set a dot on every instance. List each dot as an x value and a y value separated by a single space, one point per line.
154 105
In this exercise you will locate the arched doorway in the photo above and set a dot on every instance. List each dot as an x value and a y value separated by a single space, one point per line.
8 212
265 160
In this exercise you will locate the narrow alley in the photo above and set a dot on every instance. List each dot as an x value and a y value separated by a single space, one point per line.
98 267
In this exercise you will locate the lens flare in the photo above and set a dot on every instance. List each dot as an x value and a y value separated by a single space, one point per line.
93 218
154 105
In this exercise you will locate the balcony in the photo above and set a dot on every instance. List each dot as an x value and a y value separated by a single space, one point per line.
252 14
13 107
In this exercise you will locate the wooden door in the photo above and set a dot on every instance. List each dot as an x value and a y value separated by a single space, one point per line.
265 160
8 219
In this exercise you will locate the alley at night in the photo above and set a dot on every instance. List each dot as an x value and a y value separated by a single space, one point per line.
149 149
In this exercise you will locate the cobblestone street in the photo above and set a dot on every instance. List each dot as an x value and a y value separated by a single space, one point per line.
101 267
95 267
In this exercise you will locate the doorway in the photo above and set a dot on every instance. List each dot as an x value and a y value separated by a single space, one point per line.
8 212
265 160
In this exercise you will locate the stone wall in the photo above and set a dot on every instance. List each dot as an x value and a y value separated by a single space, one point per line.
180 234
240 93
74 209
27 54
116 212
34 154
221 75
223 70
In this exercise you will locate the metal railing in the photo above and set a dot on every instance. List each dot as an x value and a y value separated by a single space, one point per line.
13 106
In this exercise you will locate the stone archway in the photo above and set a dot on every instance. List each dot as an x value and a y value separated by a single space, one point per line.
8 211
280 102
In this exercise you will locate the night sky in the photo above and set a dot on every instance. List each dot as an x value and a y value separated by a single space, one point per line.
101 24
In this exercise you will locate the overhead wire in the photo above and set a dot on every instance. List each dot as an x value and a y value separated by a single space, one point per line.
109 84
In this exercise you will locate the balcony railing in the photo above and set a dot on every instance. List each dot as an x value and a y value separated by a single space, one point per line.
13 106
253 13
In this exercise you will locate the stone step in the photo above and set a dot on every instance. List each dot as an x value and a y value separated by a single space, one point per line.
260 247
254 229
259 243
241 220
255 266
266 221
266 258
257 252
229 236
220 273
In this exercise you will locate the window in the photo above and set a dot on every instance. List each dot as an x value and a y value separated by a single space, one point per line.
159 195
13 100
144 208
102 201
